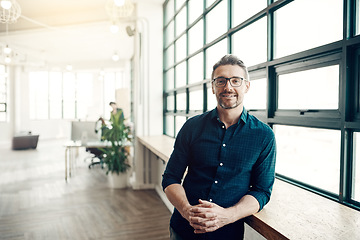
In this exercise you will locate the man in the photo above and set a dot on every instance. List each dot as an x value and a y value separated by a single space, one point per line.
116 113
230 160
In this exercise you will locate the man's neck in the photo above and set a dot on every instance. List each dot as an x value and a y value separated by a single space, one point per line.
230 116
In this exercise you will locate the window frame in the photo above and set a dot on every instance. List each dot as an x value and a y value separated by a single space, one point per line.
345 53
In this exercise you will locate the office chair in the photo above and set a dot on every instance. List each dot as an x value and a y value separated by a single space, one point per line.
95 152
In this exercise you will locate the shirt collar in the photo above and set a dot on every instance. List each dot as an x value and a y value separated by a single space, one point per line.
243 117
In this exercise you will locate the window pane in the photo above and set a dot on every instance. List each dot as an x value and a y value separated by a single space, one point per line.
252 7
196 100
84 94
180 48
170 106
208 2
250 43
69 95
179 122
255 98
181 102
55 95
169 33
169 56
169 11
356 166
3 92
216 22
179 3
39 95
170 79
2 107
309 155
295 33
196 68
211 99
109 93
195 10
180 21
214 54
300 90
196 35
180 74
170 126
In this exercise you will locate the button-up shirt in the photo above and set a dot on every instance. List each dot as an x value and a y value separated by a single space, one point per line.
222 166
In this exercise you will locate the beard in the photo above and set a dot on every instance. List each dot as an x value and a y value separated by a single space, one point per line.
228 104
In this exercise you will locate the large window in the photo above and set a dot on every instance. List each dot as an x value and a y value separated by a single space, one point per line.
70 95
303 58
3 93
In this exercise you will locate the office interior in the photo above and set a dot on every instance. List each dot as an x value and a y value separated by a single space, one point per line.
154 58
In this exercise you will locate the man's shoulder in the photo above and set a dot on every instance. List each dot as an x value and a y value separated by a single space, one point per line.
201 117
256 123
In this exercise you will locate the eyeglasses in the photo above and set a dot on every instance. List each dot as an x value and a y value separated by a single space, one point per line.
234 81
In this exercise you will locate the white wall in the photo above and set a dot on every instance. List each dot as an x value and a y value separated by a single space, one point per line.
148 78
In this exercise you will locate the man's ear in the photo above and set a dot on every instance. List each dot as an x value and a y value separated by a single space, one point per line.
247 86
212 88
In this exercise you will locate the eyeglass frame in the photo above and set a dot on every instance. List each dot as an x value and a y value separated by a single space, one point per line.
228 80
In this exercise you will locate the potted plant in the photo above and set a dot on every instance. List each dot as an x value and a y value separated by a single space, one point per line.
116 156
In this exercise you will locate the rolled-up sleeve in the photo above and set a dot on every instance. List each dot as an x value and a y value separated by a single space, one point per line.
178 161
263 174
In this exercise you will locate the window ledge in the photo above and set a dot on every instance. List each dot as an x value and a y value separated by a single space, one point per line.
292 213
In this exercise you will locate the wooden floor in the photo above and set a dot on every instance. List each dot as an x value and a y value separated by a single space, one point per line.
37 203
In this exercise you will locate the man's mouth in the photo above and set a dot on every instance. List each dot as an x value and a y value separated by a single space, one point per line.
228 95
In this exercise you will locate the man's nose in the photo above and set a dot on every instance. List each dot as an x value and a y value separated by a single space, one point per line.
228 84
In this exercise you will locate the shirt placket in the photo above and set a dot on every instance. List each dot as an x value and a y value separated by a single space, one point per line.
217 181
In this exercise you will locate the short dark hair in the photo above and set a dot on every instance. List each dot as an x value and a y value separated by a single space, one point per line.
111 103
230 59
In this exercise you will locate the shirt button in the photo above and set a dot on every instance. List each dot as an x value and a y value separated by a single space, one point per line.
216 181
224 145
210 200
223 126
221 164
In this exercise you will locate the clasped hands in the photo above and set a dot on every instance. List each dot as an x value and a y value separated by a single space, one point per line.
207 216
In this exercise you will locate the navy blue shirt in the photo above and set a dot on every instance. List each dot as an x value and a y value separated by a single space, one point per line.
223 166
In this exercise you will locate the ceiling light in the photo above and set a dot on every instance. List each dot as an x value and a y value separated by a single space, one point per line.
119 3
115 57
11 11
114 28
116 12
6 4
7 50
7 59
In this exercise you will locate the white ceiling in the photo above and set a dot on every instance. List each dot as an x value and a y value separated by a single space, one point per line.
55 33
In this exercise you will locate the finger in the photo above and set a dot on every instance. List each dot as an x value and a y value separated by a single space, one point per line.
205 203
202 221
211 229
206 215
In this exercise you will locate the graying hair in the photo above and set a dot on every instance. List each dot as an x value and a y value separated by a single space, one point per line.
230 59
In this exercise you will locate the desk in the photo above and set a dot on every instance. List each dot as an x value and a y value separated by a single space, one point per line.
71 147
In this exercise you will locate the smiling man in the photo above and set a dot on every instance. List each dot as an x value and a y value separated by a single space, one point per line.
230 157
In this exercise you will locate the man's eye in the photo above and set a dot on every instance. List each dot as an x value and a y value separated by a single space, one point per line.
235 81
221 81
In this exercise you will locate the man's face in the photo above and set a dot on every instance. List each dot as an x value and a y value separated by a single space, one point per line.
229 97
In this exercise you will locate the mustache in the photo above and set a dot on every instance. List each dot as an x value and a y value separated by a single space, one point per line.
228 92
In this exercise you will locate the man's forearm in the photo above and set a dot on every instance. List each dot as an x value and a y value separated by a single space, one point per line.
177 196
247 206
